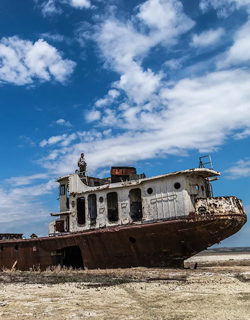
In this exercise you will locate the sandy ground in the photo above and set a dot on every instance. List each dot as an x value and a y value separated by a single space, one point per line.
224 257
138 293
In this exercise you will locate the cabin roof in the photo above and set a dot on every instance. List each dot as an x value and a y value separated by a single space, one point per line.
201 172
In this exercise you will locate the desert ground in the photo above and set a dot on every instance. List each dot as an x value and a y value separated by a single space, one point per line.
219 288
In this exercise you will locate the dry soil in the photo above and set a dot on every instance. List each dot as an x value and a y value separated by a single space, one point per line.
215 292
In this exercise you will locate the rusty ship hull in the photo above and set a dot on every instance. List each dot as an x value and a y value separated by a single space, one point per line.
129 221
155 244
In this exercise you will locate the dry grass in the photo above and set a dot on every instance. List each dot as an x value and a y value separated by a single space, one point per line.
93 278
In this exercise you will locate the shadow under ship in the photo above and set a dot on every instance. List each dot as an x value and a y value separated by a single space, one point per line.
129 220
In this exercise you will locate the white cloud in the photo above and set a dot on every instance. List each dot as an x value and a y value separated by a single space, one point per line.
166 19
26 180
49 8
243 135
56 37
67 141
224 7
138 84
23 62
34 191
80 4
18 203
62 122
107 132
108 99
124 44
240 170
113 93
207 38
63 139
239 52
53 140
199 113
52 7
92 115
26 141
173 64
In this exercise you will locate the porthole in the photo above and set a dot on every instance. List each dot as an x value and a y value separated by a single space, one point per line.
131 239
177 185
202 209
150 191
197 187
101 199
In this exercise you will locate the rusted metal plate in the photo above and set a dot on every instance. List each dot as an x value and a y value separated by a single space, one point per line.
219 205
122 171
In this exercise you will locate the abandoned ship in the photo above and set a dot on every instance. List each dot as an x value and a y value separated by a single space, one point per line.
129 220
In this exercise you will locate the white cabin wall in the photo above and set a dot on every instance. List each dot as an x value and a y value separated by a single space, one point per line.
160 189
73 210
52 227
123 205
192 192
165 201
174 203
101 209
76 185
63 198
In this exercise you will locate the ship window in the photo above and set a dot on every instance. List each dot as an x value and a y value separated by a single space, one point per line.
135 204
150 191
92 208
62 190
101 199
112 201
81 210
177 185
67 200
197 187
60 225
67 224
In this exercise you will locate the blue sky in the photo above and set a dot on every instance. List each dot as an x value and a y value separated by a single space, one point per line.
154 84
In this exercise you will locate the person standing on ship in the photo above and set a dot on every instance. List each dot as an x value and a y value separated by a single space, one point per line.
82 164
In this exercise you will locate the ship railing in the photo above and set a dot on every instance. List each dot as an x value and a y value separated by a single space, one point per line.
208 161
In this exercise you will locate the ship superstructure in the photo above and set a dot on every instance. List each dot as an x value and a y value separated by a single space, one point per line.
88 203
